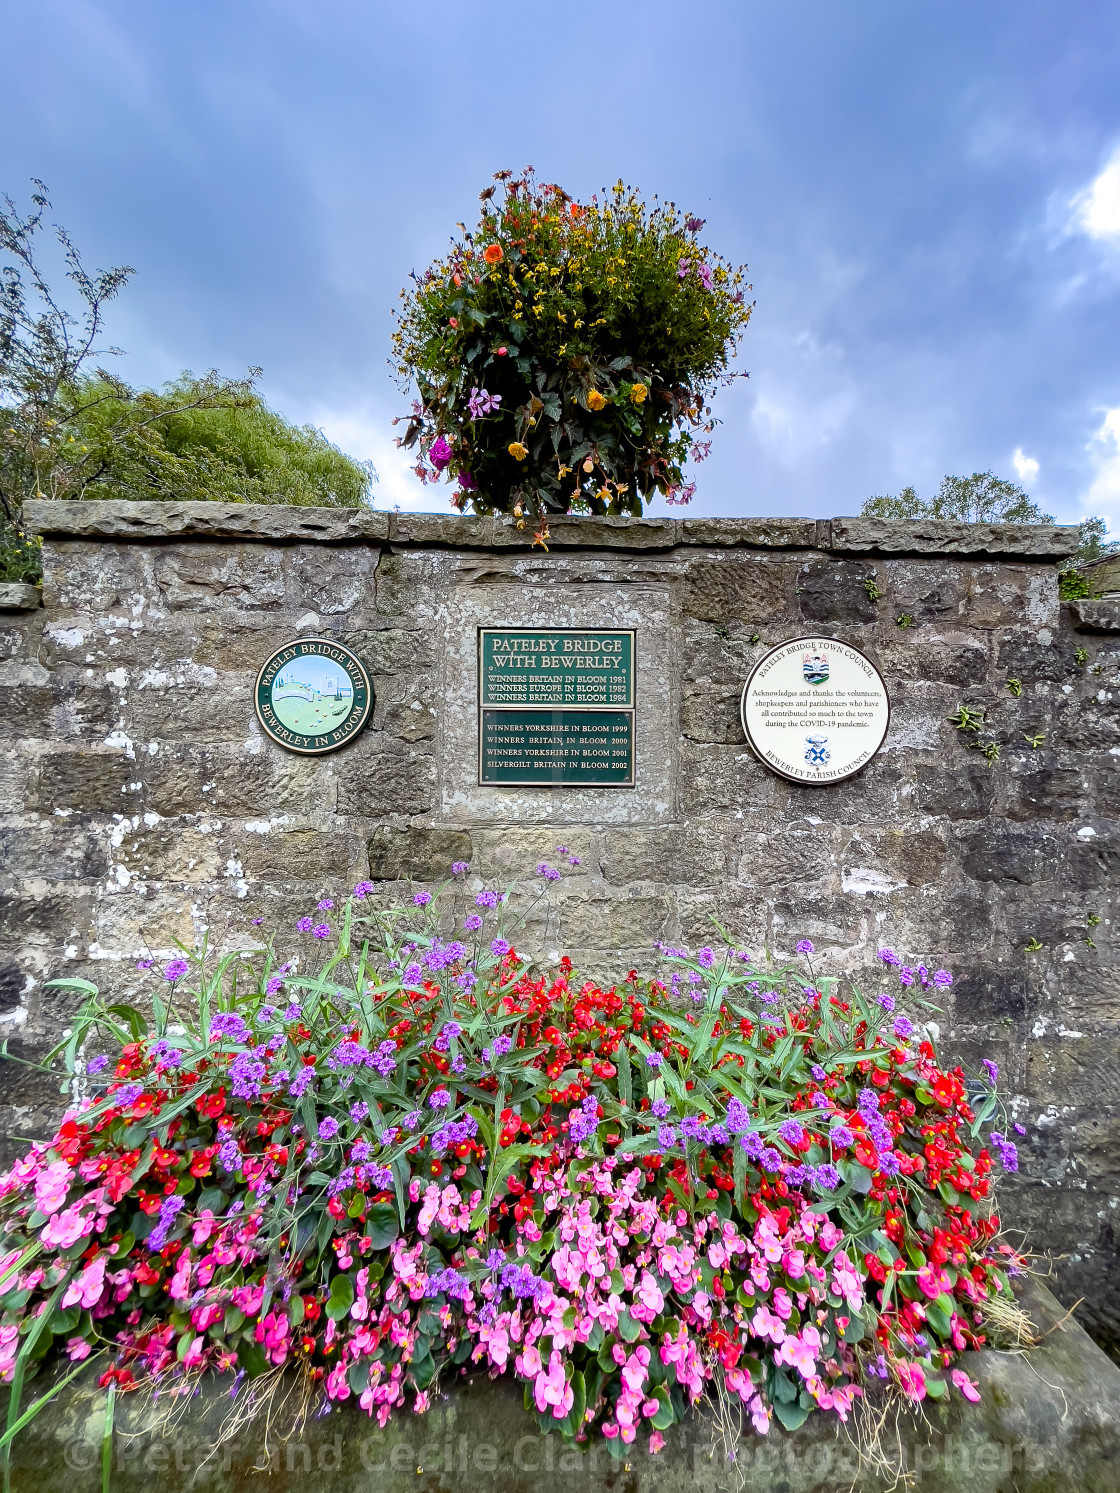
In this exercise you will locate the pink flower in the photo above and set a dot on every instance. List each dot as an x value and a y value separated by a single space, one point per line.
552 1388
766 1324
911 1378
51 1187
656 1442
966 1386
65 1229
76 1349
87 1287
933 1280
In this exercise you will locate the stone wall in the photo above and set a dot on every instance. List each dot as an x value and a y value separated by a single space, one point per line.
142 803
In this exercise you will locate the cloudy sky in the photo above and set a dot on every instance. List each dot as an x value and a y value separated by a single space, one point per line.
927 194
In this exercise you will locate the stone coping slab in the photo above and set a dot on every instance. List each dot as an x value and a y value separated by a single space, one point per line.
155 521
1048 1422
18 596
1096 616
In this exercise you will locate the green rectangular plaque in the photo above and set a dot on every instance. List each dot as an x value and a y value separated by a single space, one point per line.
583 666
556 706
592 748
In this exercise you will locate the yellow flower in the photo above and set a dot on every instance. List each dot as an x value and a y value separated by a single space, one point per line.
595 400
518 451
638 394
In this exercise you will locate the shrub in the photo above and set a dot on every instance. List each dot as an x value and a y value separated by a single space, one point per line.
565 354
422 1154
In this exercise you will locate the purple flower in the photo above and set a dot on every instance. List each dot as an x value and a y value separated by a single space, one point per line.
805 946
868 1102
683 267
293 1012
888 956
826 1178
887 1002
304 925
328 1127
480 403
144 963
413 974
439 453
796 1175
359 1111
230 1156
818 1072
274 987
168 1211
439 1100
473 923
706 957
654 1059
412 1119
660 1108
247 1073
229 1024
903 1027
302 1081
422 899
550 873
385 1058
458 867
992 1070
495 1260
842 1137
888 1164
95 1065
704 275
486 899
175 970
500 948
324 905
256 922
906 975
363 889
666 1137
321 930
943 979
770 1159
791 1132
466 481
1019 1129
818 1100
693 225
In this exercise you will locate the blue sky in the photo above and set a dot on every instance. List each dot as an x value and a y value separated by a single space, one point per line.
928 196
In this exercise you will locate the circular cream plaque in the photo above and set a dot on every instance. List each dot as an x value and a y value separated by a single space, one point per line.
815 710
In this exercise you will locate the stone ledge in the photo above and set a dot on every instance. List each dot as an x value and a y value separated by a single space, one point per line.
16 596
1095 616
1047 1422
282 524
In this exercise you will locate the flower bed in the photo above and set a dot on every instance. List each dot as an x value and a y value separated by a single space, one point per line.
426 1156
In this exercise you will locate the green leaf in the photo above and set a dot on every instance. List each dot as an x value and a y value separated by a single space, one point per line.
628 1328
791 1416
251 1357
341 1297
423 1368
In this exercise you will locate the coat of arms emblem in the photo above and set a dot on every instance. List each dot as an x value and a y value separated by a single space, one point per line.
816 668
816 750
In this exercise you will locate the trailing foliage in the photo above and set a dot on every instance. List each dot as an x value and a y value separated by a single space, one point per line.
417 1154
565 353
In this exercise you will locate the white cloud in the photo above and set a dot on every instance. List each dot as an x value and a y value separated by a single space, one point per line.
368 434
1097 209
1025 466
1103 496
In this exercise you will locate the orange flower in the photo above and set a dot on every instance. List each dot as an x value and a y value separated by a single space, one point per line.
493 254
595 400
518 451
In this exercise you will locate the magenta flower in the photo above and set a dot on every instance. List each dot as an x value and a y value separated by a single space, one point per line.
321 930
175 970
440 453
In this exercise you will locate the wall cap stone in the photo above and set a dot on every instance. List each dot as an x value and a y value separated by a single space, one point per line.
279 523
1096 616
16 596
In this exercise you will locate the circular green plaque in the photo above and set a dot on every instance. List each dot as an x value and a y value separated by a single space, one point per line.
313 696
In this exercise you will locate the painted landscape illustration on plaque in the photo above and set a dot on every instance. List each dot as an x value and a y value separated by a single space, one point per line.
312 695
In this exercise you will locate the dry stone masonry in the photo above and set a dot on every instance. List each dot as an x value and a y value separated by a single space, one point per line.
143 804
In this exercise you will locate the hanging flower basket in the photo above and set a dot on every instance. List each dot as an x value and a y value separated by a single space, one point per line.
565 354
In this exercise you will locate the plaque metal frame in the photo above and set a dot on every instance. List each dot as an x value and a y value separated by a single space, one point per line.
803 640
558 712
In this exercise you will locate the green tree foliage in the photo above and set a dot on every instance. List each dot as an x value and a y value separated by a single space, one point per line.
1093 545
982 498
69 429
